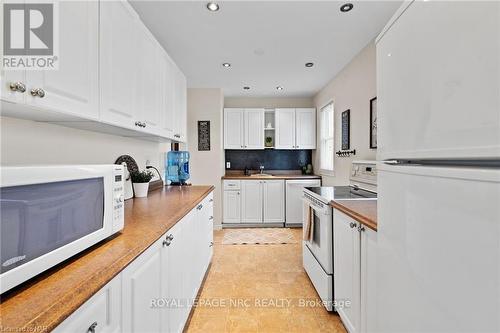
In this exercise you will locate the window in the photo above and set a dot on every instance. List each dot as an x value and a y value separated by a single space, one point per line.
326 141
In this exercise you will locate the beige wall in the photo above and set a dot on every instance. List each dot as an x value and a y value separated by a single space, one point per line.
25 142
207 167
268 102
351 89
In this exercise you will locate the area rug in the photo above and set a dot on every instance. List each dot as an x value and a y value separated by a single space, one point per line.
258 236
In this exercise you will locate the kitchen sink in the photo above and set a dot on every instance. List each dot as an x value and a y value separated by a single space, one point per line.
261 175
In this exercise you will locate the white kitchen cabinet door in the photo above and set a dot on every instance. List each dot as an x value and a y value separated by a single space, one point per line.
254 128
102 311
305 122
274 201
74 87
175 267
346 256
425 97
141 284
167 115
294 204
368 280
181 105
251 201
232 207
119 55
234 128
149 93
207 223
285 129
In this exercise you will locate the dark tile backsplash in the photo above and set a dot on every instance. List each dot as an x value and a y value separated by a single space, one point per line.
271 159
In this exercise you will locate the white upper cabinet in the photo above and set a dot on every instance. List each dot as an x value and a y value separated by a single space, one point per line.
234 128
74 87
438 82
167 112
285 128
305 125
113 77
243 128
254 128
149 82
180 105
295 128
119 57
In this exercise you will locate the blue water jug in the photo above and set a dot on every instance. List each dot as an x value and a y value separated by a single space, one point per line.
177 167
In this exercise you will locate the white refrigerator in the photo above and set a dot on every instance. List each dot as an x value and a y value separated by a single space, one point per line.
438 254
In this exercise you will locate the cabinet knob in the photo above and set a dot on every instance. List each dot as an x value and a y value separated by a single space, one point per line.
200 206
353 225
17 86
92 327
211 200
238 193
38 92
170 237
211 244
361 228
211 218
167 242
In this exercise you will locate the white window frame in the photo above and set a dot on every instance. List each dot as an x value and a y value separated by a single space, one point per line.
325 138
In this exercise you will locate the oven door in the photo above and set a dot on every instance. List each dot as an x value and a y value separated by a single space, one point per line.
321 244
51 218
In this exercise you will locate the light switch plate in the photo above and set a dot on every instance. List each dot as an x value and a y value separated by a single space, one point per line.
228 165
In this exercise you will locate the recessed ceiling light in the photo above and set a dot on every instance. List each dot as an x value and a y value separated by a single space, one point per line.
346 7
246 88
212 6
279 88
226 64
309 64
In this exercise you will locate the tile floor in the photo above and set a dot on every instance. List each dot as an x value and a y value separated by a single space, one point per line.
260 288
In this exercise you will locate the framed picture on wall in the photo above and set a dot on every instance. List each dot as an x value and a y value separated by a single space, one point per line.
346 123
373 123
203 135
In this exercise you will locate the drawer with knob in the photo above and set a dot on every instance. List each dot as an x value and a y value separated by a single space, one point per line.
101 313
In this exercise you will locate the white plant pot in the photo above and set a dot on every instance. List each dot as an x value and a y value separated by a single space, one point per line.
141 190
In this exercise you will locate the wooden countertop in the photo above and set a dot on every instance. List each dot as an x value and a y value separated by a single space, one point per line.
363 211
40 304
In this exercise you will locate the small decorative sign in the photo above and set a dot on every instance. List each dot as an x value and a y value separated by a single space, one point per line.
345 129
373 123
203 135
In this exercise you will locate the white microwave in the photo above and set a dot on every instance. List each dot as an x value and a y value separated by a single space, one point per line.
50 213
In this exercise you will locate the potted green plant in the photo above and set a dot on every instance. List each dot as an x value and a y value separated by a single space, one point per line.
269 141
140 181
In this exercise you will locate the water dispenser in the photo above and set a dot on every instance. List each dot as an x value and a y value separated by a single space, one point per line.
177 167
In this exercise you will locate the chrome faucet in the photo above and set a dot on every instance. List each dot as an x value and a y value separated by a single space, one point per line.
261 167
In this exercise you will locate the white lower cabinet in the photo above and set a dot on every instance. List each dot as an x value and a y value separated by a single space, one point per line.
232 206
354 278
254 201
251 201
273 201
156 291
101 313
141 287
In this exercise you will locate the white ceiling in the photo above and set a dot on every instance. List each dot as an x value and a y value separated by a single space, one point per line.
266 42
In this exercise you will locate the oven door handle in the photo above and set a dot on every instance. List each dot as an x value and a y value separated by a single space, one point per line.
321 210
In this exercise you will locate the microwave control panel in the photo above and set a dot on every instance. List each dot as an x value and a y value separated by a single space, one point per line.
118 198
